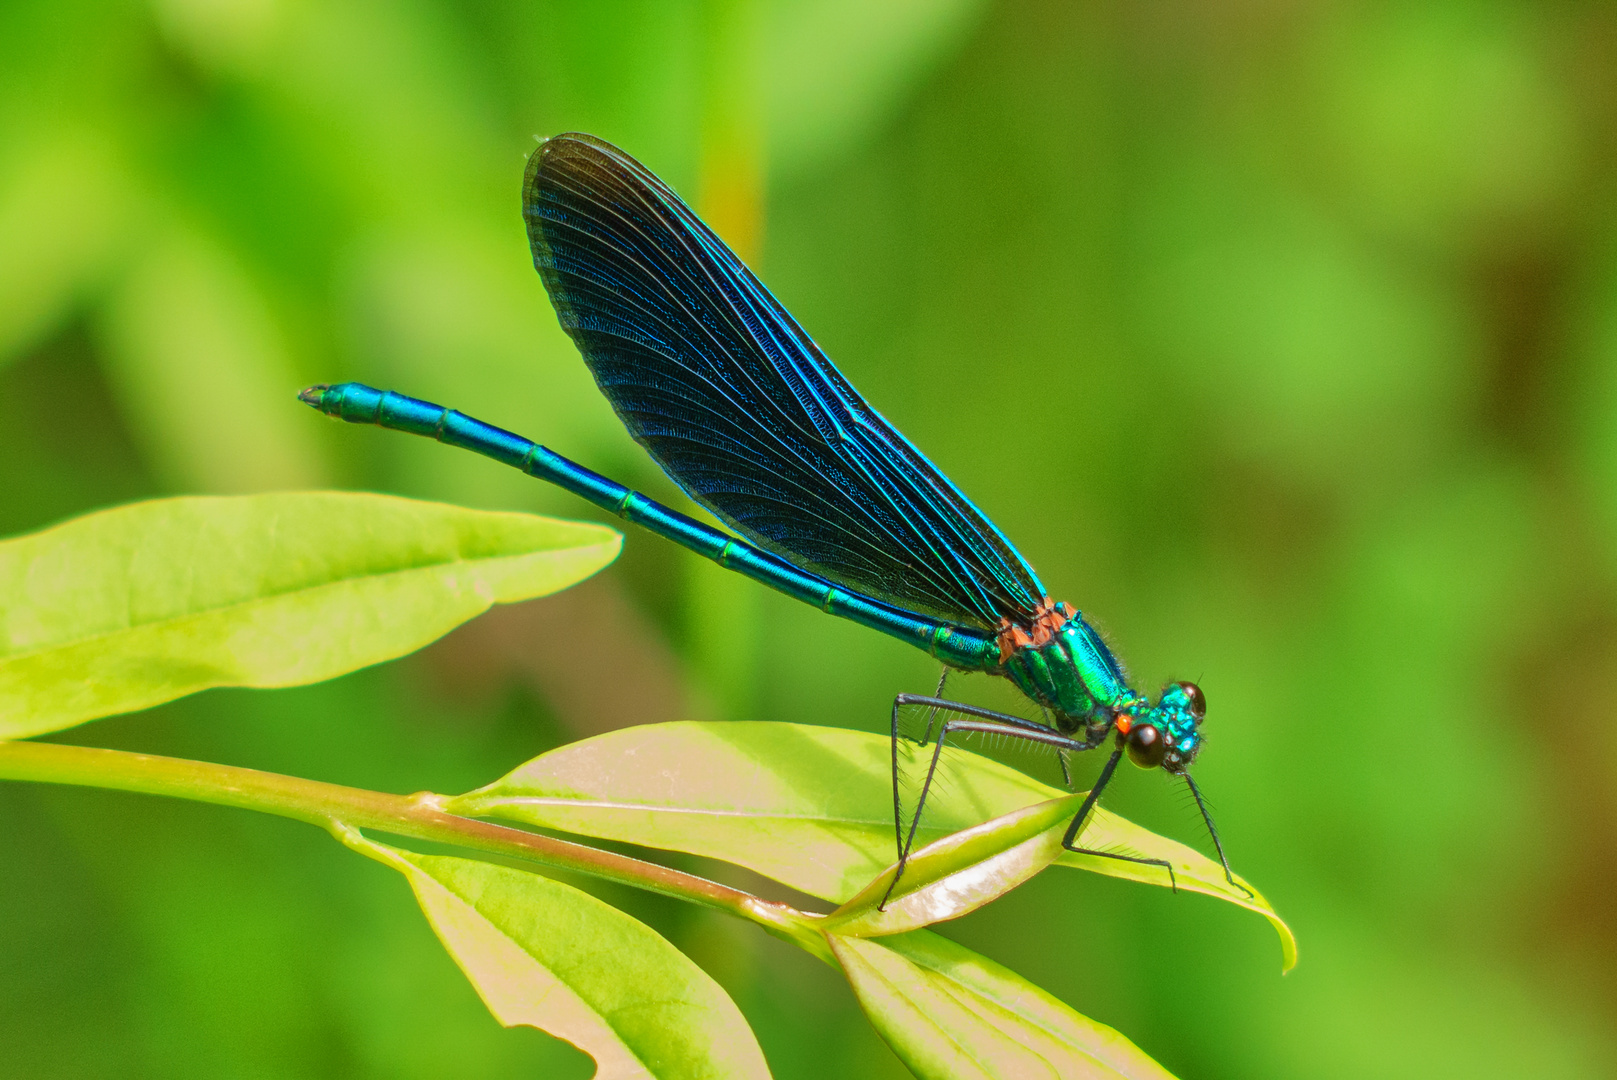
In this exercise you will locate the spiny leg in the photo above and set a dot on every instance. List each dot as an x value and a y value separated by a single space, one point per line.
1217 846
932 714
898 809
1061 755
898 804
907 842
1077 825
992 723
935 704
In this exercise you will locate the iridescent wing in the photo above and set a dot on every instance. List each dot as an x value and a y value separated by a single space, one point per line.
731 397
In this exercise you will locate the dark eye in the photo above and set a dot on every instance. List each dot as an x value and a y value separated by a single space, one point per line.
1197 700
1146 746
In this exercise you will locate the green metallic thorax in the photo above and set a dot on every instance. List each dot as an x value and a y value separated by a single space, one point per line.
1074 675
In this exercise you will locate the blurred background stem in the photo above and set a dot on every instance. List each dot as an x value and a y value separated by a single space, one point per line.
723 610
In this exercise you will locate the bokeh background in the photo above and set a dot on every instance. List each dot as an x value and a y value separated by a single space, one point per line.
1281 336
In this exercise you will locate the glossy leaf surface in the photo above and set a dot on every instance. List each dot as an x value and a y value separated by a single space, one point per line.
127 608
808 806
960 872
546 955
948 1012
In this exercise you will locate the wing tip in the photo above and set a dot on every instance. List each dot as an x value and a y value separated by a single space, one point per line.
575 144
571 146
549 146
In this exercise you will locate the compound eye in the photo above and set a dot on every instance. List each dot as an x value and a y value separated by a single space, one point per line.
1193 695
1146 746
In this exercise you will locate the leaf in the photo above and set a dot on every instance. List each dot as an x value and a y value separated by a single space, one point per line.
808 806
961 872
950 1013
130 607
550 956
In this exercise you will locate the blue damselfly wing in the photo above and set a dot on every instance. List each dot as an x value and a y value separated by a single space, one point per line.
741 408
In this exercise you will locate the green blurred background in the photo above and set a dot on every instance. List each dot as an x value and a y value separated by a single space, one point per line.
1282 337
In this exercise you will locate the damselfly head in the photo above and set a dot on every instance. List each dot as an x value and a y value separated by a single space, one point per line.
1168 733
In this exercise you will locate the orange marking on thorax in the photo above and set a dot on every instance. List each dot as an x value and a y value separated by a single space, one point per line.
1048 618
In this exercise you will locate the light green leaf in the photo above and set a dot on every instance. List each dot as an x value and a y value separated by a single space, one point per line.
949 1013
808 806
961 872
130 607
549 956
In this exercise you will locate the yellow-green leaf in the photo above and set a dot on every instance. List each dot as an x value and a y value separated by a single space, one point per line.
549 956
130 607
949 1013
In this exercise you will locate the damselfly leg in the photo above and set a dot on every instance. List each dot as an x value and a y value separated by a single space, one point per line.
1213 832
1078 820
970 719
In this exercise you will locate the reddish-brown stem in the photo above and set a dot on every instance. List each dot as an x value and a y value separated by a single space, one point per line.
333 806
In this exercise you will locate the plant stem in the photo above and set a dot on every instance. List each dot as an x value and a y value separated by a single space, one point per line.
332 806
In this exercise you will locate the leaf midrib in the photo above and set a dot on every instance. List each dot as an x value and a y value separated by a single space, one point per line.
179 620
597 804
